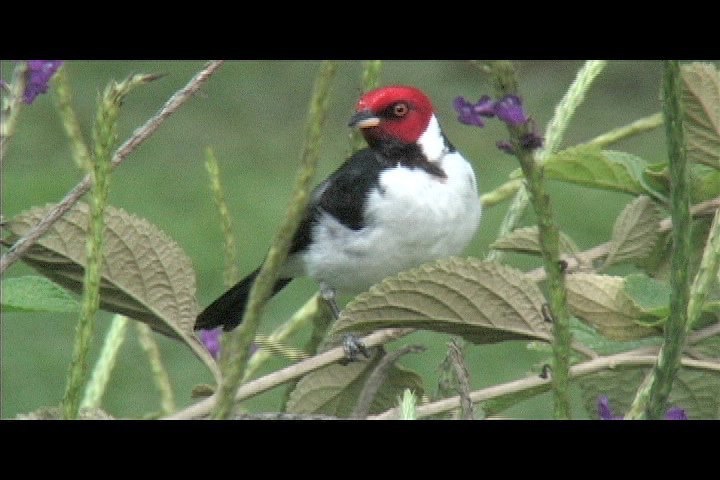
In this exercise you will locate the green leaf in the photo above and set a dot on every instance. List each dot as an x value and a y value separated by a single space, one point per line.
334 389
635 232
701 112
481 301
145 274
600 300
656 178
705 183
525 240
694 390
650 296
36 294
592 167
589 337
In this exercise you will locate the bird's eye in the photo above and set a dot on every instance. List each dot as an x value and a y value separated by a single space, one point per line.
400 109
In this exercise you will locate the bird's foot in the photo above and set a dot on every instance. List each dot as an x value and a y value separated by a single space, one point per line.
353 347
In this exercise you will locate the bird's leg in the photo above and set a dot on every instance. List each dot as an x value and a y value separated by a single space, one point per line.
328 294
351 344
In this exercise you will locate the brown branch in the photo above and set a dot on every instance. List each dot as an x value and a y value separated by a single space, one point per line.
463 378
138 137
272 380
591 366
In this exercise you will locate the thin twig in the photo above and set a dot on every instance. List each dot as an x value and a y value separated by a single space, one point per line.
138 137
272 380
283 416
463 379
579 370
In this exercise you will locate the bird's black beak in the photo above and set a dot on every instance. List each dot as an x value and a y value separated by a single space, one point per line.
364 119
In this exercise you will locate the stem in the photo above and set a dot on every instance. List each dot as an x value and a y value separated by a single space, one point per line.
566 108
11 106
548 235
138 137
231 274
299 319
668 360
104 135
638 126
553 133
162 380
236 355
63 104
500 194
95 389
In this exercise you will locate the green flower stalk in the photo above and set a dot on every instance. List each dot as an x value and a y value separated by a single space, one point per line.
231 274
300 318
105 364
236 349
522 143
160 376
408 405
63 103
553 133
104 138
650 400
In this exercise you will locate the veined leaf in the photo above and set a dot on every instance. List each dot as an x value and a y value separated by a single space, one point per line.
481 301
334 389
701 112
592 167
525 240
145 274
635 232
650 296
36 294
589 337
601 301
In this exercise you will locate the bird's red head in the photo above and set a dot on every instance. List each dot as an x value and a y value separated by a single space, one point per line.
397 112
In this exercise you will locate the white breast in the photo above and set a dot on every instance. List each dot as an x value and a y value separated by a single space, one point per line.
412 217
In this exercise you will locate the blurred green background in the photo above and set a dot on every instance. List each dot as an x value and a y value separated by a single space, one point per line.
252 113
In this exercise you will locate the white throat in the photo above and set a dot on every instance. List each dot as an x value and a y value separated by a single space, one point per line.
431 141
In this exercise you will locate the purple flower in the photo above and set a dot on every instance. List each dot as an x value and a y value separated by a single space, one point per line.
509 109
505 146
470 114
211 340
604 410
676 413
606 413
37 76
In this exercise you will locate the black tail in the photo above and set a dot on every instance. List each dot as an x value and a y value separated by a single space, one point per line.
228 309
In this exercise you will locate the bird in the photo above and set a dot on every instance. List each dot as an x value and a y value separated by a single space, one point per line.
407 198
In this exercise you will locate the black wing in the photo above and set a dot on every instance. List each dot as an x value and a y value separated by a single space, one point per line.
343 194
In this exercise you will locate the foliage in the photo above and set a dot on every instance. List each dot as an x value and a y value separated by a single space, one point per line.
618 294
